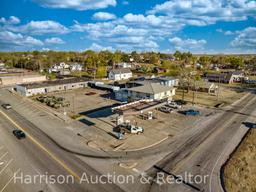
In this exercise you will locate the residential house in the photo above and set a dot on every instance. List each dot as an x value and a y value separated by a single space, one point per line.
76 67
219 77
2 68
57 68
2 65
204 86
226 77
160 70
238 76
120 74
124 65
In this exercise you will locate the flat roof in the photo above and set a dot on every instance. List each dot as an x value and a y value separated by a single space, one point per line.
7 76
53 83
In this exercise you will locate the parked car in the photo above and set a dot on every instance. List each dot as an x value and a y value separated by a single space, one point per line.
165 109
6 106
250 125
173 105
19 134
181 102
192 112
90 93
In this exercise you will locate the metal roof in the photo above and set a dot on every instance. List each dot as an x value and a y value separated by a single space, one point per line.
53 83
152 88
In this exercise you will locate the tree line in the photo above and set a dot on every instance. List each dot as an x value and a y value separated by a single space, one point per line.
37 60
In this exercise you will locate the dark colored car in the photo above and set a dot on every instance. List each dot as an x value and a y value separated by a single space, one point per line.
6 106
181 102
19 134
90 93
250 125
192 112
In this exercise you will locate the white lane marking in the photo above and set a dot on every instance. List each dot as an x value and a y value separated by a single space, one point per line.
9 162
215 165
3 155
10 180
136 170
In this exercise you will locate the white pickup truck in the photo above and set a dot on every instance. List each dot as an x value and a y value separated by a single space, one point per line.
131 129
173 105
135 130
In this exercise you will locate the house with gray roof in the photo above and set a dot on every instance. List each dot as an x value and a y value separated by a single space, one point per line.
119 74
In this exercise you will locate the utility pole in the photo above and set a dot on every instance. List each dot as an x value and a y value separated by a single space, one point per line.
74 104
193 102
218 89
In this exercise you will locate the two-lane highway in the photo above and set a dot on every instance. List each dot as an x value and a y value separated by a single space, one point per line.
201 154
37 154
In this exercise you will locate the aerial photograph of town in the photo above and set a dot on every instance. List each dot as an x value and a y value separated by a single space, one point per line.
128 96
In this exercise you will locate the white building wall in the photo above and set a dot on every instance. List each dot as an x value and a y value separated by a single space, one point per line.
35 91
43 90
118 77
33 79
137 96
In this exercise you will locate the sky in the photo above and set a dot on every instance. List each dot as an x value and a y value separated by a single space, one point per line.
198 26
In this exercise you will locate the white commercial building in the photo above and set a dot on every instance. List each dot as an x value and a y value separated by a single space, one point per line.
166 81
30 89
11 79
151 91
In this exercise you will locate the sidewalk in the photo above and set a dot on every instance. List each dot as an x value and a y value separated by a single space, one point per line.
72 135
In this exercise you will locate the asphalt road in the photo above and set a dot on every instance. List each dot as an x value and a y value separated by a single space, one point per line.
198 151
201 153
37 154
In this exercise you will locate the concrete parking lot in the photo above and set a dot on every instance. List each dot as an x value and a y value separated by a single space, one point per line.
83 100
94 111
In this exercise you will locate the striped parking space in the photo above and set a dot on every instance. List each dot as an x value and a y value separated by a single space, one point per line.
9 167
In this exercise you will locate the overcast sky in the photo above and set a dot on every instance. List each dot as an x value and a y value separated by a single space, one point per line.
199 26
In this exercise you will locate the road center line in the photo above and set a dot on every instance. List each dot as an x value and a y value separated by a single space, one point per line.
43 148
